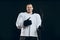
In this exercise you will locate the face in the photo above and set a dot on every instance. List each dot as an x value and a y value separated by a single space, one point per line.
29 8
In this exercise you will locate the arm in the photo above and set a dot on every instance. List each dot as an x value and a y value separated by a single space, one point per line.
38 21
19 22
39 26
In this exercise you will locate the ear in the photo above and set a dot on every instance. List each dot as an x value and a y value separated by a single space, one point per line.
32 7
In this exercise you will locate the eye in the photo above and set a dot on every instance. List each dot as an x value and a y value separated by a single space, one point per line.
30 7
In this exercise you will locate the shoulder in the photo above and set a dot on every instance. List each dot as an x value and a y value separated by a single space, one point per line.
36 14
21 13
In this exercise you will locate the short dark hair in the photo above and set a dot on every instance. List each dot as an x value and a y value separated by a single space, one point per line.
29 4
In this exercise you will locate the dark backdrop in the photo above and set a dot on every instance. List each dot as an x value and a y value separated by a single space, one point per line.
49 11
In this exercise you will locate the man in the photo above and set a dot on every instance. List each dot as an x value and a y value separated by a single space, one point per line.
28 22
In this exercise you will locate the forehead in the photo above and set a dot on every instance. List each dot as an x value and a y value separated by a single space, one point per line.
29 5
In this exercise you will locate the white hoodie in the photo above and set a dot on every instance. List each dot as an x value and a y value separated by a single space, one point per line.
32 29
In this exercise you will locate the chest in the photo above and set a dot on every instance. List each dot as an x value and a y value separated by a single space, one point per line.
32 17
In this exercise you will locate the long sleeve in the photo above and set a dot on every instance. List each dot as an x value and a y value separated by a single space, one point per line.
19 22
38 20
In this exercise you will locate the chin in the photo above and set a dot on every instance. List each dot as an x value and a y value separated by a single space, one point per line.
28 11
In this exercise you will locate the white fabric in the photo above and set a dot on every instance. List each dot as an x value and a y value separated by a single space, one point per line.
31 30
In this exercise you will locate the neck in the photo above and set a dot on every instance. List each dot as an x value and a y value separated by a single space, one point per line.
29 12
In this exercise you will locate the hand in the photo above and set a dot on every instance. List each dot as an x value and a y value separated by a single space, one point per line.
27 22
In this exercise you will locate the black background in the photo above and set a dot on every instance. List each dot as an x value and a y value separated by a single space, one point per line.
49 11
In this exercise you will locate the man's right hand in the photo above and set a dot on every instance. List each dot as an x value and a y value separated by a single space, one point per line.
27 22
